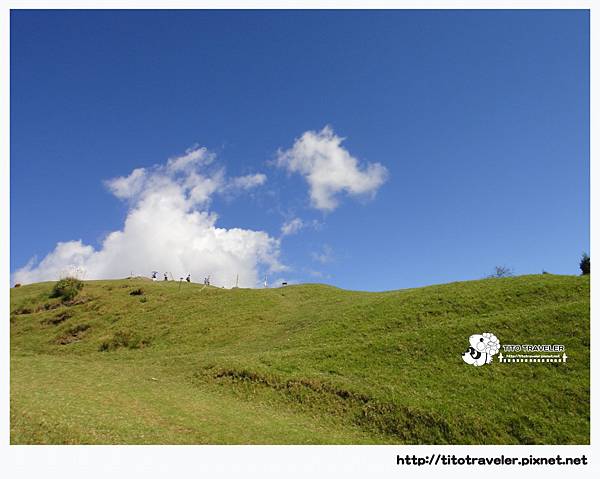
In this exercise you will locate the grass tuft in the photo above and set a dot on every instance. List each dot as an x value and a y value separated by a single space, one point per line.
123 339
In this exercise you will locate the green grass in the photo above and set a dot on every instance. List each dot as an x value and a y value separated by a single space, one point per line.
307 364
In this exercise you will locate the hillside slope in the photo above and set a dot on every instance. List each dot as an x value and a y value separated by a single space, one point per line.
301 364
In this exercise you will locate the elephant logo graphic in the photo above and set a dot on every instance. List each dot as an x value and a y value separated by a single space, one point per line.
482 347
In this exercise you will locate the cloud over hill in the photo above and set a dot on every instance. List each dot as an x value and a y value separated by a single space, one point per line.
169 228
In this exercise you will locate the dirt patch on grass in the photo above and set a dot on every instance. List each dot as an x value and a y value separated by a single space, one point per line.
73 334
22 310
407 425
57 319
290 384
48 306
78 300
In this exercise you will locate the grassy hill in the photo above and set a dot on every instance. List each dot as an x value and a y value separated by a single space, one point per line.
306 364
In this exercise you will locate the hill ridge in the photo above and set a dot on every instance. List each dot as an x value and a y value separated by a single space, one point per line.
298 354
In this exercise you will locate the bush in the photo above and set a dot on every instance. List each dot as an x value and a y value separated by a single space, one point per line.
123 339
584 264
501 272
66 288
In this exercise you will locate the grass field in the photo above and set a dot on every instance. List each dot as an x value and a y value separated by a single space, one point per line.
306 364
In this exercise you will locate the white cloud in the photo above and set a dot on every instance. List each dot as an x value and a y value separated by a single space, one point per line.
248 182
65 254
292 227
323 256
314 273
201 187
127 186
330 169
167 228
193 157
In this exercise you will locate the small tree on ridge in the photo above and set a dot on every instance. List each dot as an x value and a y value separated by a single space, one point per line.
584 264
501 272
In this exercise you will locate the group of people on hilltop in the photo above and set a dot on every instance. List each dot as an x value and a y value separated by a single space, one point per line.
166 277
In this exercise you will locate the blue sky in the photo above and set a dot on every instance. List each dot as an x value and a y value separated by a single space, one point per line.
475 125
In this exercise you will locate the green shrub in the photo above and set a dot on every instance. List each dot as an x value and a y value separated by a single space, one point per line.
66 288
584 264
123 339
